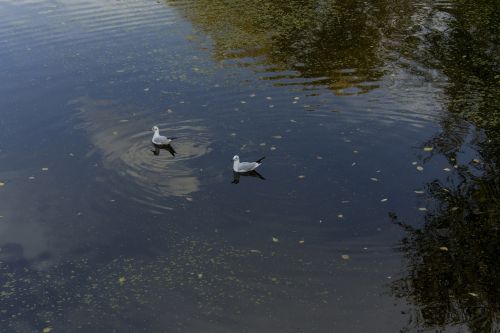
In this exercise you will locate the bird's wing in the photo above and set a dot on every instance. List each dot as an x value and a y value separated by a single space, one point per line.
247 166
161 140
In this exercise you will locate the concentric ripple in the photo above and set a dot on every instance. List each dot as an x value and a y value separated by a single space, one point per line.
123 139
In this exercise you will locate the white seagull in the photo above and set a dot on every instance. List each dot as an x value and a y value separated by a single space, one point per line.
243 167
159 139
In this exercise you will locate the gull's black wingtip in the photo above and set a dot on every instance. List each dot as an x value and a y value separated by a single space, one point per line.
260 159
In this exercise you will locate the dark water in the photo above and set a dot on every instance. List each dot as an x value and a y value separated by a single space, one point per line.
380 207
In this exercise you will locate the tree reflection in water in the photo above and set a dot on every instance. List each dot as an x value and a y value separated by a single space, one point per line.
453 273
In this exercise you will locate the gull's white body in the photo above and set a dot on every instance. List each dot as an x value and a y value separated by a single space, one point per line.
158 139
243 167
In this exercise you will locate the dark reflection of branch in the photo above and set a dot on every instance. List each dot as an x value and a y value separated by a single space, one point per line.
158 148
253 173
330 43
453 273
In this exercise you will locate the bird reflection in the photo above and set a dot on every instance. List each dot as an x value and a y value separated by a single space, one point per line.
253 173
168 147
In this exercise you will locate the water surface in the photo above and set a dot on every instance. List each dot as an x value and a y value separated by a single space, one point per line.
380 205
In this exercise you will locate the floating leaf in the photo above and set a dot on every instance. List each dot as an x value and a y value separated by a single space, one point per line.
301 241
419 192
45 169
345 256
384 200
474 294
47 329
443 248
302 177
428 148
420 168
447 169
2 184
200 275
340 216
272 148
423 209
275 240
414 163
121 280
374 179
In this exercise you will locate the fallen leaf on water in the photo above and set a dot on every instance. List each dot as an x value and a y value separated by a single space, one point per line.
428 148
345 256
374 179
423 209
302 177
2 184
45 169
419 192
340 216
272 148
476 160
447 169
47 329
301 241
189 199
474 294
384 200
443 248
31 177
420 168
413 163
121 280
276 240
200 275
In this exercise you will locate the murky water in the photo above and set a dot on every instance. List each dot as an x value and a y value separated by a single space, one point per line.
379 209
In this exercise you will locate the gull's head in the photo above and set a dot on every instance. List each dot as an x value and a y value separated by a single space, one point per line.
155 129
236 158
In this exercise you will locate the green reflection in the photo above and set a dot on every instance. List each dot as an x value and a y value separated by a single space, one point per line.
453 273
337 44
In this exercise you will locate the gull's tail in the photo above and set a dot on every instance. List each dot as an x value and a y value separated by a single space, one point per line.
260 160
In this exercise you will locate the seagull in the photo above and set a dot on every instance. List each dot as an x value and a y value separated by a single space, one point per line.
161 142
243 167
159 139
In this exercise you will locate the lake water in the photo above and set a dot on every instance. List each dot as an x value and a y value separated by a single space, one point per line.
380 206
